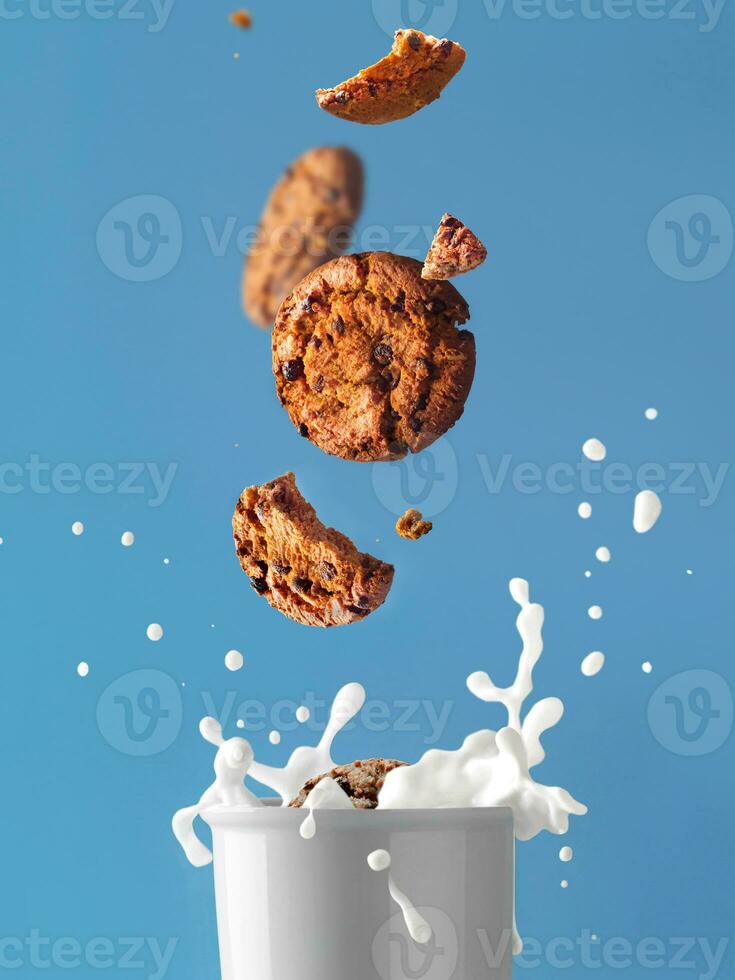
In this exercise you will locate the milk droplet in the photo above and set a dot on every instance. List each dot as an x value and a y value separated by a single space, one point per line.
127 539
566 854
166 561
646 511
565 884
603 554
379 860
83 669
647 667
588 574
236 55
234 660
651 414
240 723
274 738
689 571
77 528
594 450
595 612
593 663
154 632
584 510
302 714
2 541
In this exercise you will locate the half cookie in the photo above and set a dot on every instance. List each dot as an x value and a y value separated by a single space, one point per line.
362 781
309 572
455 250
308 219
368 360
410 77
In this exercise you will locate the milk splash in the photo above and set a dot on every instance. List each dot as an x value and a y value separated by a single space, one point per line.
326 795
418 928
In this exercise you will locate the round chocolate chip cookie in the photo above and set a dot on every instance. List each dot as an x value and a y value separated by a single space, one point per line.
309 572
368 360
362 781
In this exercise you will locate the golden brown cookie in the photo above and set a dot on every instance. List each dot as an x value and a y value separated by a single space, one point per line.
412 525
362 781
406 80
455 250
307 220
368 360
309 572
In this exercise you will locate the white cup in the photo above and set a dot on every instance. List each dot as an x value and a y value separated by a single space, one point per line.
295 909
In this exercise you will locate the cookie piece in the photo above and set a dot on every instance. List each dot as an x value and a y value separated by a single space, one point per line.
368 361
362 781
409 78
455 250
307 220
412 525
309 572
242 19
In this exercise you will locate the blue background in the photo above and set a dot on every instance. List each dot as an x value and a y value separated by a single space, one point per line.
559 142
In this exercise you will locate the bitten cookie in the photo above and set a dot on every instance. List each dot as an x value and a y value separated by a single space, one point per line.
455 250
411 525
362 781
369 363
409 78
308 219
309 572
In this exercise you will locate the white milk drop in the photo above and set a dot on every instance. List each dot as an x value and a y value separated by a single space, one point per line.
302 714
646 511
603 554
647 667
166 561
274 738
418 928
588 574
83 669
651 414
234 660
595 450
2 541
326 795
379 860
565 883
566 854
240 723
595 612
689 571
593 663
77 528
154 632
127 539
584 510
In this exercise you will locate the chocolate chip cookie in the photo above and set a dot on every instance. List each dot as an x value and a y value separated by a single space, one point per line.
307 220
412 526
409 78
454 250
362 781
369 363
309 572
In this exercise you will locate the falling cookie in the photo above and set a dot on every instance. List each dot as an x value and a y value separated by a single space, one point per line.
412 525
242 19
309 572
455 250
308 219
362 781
409 78
368 360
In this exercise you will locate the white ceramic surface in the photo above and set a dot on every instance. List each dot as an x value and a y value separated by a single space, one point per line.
295 909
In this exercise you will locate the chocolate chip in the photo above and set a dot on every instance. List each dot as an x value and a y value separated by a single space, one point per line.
445 46
383 382
415 424
315 343
344 785
414 41
339 326
341 97
302 585
399 306
465 334
357 611
372 88
383 353
436 306
326 570
292 369
280 569
259 584
263 566
363 602
303 430
243 550
307 305
319 384
395 415
421 402
332 194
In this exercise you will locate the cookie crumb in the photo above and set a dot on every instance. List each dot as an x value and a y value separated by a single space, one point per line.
412 525
242 19
454 250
